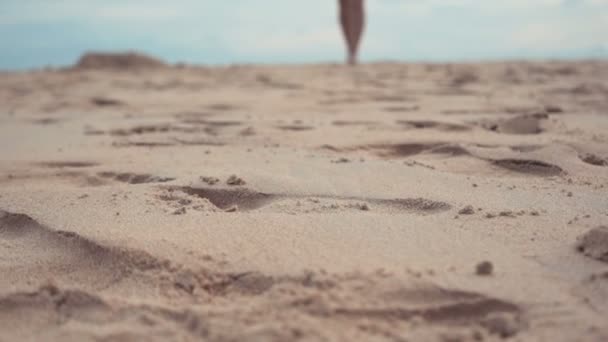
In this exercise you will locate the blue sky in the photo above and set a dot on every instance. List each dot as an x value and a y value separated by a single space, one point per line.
35 33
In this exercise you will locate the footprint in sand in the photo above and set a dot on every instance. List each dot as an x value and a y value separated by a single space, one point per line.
225 199
247 200
522 166
529 167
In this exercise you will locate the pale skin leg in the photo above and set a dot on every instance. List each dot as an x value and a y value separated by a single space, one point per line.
352 18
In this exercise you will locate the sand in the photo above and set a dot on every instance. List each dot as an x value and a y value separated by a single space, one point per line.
401 202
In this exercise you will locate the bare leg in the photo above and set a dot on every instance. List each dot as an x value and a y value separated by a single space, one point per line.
352 18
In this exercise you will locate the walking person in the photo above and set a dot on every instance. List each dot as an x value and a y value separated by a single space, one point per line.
352 19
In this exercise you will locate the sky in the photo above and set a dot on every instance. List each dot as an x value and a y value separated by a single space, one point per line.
38 33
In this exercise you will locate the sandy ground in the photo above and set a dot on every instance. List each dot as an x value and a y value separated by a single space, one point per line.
402 202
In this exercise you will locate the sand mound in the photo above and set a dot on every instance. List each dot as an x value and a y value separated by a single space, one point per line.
69 257
594 243
118 61
522 124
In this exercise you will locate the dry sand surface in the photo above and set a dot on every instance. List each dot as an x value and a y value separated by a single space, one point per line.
405 202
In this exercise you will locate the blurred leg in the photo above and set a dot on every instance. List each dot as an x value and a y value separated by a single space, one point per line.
352 18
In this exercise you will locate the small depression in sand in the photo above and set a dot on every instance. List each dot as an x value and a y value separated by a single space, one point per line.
134 178
198 142
530 167
222 107
391 98
106 102
170 142
68 164
412 149
149 144
402 150
526 148
593 159
420 205
427 124
475 111
219 123
295 128
450 150
246 200
594 243
241 198
46 121
354 123
401 109
143 129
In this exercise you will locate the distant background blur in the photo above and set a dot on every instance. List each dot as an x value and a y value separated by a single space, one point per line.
36 33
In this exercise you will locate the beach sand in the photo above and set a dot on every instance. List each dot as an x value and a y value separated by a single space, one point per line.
400 202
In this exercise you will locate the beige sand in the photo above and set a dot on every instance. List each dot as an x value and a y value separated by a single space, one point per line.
279 203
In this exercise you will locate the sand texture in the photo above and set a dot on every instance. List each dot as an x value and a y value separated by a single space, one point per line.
391 202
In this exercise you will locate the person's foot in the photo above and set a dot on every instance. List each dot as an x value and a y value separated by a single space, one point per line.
352 60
